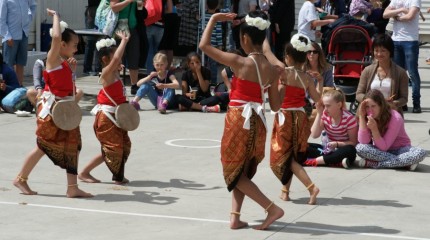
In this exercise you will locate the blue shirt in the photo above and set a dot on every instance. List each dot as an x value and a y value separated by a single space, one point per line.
15 18
9 78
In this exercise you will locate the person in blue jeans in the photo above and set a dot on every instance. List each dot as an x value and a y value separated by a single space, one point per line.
90 46
406 15
159 86
154 32
8 79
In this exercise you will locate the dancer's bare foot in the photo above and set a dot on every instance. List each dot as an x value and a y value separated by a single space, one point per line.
88 178
73 191
273 213
313 191
235 222
285 195
124 181
21 183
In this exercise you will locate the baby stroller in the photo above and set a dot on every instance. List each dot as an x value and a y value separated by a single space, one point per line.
349 51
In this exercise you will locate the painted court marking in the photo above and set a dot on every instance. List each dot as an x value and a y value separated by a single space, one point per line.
174 144
207 220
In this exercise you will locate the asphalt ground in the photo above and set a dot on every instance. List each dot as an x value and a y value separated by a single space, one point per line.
177 191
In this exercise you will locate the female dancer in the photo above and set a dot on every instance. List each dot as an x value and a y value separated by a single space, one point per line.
243 141
61 146
290 134
115 142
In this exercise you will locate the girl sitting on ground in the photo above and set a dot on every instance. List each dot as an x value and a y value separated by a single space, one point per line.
341 129
159 86
383 141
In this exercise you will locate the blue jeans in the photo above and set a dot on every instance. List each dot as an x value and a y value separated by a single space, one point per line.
147 89
406 56
154 34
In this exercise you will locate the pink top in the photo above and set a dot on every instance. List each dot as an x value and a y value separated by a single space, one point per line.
394 138
339 132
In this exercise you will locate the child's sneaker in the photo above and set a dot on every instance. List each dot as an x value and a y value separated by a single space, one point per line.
135 105
311 162
162 108
215 109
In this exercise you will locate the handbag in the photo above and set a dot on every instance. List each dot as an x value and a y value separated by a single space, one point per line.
106 19
122 24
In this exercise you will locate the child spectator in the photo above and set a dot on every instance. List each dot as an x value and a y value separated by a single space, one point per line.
290 132
244 137
115 142
308 20
216 37
341 129
360 9
383 141
159 85
195 87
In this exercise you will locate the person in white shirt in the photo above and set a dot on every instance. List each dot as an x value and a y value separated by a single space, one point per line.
308 20
406 45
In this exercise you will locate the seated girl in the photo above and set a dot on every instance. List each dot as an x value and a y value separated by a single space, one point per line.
383 141
341 128
159 86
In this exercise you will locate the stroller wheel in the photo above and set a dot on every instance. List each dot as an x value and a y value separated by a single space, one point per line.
353 107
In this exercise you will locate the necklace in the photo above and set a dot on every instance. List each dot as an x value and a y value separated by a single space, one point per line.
255 53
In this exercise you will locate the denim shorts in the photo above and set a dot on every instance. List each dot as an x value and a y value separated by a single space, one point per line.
16 55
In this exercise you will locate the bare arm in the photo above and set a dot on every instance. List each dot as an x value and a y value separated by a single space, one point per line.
174 84
317 126
270 56
228 59
226 80
53 58
117 6
413 11
112 67
391 12
319 23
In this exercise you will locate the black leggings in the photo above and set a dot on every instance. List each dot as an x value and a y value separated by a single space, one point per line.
337 156
210 101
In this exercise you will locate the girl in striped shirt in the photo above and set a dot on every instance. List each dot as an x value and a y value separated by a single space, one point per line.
341 128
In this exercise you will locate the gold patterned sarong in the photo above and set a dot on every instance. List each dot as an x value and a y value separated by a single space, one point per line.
241 149
61 146
288 143
115 144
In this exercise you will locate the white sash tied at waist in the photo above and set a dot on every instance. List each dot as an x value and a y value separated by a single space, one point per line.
247 112
107 110
47 100
281 117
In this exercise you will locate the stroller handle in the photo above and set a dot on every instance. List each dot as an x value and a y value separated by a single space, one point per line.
333 62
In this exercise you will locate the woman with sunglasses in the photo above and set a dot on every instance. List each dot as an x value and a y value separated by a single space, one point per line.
317 66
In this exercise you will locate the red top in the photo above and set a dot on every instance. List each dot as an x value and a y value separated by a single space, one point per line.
294 97
59 81
115 91
244 90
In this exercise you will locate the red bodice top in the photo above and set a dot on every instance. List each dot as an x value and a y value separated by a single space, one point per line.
244 90
115 91
294 97
59 81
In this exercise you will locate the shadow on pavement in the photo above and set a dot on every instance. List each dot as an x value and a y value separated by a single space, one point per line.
317 229
138 196
348 201
173 183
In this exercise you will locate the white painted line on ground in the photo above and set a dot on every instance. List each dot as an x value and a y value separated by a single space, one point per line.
211 220
171 142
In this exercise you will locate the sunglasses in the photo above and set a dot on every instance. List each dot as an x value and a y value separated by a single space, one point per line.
313 51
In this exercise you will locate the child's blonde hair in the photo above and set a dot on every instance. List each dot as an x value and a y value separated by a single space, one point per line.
160 57
337 95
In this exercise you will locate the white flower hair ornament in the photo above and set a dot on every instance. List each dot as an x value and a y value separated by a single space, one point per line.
107 42
257 22
63 26
299 45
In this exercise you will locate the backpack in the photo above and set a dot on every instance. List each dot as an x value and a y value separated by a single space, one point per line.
155 11
106 19
16 100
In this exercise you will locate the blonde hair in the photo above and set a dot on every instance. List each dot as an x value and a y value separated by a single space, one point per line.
337 95
160 57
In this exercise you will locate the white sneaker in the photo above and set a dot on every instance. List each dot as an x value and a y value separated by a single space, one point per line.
345 163
413 167
361 163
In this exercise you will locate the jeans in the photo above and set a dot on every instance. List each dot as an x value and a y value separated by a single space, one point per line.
154 34
406 56
149 90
